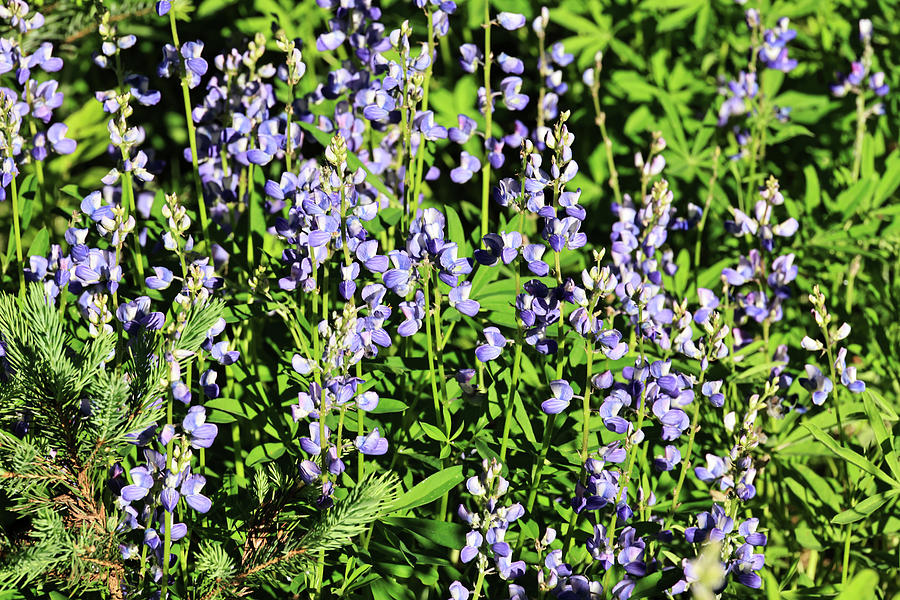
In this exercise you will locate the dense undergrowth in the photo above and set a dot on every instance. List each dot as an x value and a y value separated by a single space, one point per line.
416 299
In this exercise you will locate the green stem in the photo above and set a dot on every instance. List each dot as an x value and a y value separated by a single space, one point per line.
420 158
192 139
480 581
167 541
607 142
632 454
686 459
488 124
250 218
131 208
510 400
586 405
238 450
860 135
18 235
709 196
538 469
438 409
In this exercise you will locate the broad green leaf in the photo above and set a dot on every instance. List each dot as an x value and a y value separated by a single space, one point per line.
40 244
864 508
430 489
861 586
433 432
266 452
850 456
388 405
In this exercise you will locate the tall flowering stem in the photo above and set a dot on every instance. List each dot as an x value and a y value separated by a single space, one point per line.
600 120
861 115
686 460
18 235
432 376
131 208
426 84
488 120
709 196
192 139
511 398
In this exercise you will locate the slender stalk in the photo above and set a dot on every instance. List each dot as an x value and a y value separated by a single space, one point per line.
510 399
709 196
686 459
167 540
439 342
18 236
426 84
250 218
848 485
586 405
192 139
488 124
632 454
38 171
438 408
600 120
131 207
860 135
538 468
480 581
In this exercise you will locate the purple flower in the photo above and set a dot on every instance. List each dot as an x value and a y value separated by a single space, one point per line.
562 396
511 21
466 128
817 383
330 41
469 165
712 390
161 279
474 539
190 490
223 355
513 97
458 591
163 7
510 64
56 135
459 299
494 346
668 460
202 433
195 65
208 383
372 444
716 469
143 482
470 57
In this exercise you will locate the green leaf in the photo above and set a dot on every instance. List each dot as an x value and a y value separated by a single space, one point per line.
388 405
433 432
447 535
40 244
266 452
226 410
812 197
430 489
864 508
850 456
861 586
455 231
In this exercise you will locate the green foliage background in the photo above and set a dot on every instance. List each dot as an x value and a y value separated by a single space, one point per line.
663 63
